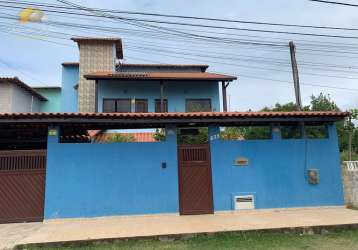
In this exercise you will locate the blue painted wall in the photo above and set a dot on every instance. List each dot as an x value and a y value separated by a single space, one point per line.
276 173
86 180
176 92
70 77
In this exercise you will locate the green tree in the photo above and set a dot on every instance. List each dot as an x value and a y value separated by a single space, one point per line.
121 138
318 103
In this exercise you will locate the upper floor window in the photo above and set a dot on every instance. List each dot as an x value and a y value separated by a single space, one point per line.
124 105
158 105
141 105
198 105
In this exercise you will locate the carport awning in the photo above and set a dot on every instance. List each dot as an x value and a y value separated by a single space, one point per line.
141 120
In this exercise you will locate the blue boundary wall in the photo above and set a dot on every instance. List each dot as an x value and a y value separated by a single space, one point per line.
88 179
277 171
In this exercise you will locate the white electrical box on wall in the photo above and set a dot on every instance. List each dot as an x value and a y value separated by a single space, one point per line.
244 202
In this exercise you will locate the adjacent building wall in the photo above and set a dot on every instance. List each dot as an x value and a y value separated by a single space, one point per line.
69 93
86 180
23 101
350 183
277 172
5 97
175 91
53 103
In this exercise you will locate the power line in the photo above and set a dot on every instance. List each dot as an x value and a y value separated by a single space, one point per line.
336 3
255 77
282 81
190 17
251 59
141 20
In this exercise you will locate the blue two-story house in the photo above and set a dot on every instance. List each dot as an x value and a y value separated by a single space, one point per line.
139 87
195 165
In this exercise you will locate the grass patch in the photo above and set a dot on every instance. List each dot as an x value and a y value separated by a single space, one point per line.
343 240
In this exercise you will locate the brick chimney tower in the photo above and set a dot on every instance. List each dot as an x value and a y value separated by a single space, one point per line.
96 54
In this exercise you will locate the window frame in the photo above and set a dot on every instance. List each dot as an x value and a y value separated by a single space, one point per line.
143 100
115 100
197 99
157 102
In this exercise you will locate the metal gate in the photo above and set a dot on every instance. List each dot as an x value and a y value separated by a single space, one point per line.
22 185
195 184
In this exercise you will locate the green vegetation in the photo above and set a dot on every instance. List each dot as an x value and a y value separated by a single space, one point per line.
318 103
343 240
121 138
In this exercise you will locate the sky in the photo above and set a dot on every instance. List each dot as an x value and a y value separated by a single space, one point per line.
37 59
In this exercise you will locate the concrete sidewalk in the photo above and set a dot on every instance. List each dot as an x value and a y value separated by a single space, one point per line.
153 225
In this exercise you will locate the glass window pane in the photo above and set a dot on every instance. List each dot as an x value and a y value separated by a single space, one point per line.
141 105
198 105
124 105
109 106
157 105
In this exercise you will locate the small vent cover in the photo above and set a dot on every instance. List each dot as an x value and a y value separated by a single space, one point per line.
244 202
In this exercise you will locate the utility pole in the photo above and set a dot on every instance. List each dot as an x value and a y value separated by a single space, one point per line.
296 79
350 139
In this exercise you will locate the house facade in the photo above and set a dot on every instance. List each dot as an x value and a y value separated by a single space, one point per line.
191 167
16 96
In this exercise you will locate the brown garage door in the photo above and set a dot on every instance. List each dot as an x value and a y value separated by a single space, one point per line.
195 185
22 185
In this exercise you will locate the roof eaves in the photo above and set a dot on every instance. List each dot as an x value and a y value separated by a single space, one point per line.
23 85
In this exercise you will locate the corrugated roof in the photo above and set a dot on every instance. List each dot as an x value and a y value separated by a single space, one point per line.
116 41
198 76
18 82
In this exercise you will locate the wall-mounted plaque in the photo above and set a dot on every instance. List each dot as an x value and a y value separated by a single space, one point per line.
241 161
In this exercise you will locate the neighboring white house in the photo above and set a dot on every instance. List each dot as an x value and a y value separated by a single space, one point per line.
16 96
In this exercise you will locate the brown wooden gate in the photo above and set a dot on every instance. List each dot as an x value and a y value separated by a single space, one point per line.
195 185
22 185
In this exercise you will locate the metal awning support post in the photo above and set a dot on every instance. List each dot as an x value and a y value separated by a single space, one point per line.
161 96
223 88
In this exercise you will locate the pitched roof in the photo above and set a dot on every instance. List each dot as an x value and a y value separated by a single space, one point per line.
198 76
19 83
91 121
116 41
203 67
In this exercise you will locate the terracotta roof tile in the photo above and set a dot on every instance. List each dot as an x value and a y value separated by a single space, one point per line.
138 137
160 76
179 115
